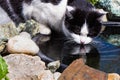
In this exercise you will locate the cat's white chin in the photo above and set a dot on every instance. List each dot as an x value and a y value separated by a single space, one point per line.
80 39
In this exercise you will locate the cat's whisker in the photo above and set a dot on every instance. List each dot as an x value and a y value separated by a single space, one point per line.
69 41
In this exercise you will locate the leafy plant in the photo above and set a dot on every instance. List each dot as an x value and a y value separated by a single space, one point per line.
3 69
93 1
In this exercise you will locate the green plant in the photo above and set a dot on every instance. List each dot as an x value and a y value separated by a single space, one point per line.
3 69
93 1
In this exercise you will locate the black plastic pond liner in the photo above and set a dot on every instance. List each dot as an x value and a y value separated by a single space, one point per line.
111 24
108 53
48 60
108 58
106 48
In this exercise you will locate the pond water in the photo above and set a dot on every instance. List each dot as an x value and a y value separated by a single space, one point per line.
100 54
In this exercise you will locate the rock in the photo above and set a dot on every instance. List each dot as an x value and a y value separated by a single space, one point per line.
41 39
25 34
113 76
112 6
113 39
46 75
44 38
22 44
79 71
34 28
56 75
44 30
7 31
24 67
53 66
2 46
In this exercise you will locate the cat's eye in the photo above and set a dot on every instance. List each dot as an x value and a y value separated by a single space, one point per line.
76 29
92 34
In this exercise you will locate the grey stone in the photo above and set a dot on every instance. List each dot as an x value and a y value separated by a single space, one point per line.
22 44
7 31
24 67
112 6
46 75
113 39
56 75
34 28
53 66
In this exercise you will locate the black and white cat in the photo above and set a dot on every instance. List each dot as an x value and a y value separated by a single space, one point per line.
48 12
82 22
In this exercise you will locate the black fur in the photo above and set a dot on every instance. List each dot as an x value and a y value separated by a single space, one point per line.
55 2
80 4
83 11
16 12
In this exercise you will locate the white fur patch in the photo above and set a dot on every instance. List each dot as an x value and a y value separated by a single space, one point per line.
70 8
84 29
27 10
4 18
81 50
46 13
101 11
81 39
85 50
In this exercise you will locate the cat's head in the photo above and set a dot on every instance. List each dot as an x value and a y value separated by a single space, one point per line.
82 26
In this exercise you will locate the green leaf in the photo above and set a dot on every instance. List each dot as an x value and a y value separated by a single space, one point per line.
3 68
93 1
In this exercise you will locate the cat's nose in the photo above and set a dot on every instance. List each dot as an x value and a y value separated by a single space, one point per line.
82 42
85 40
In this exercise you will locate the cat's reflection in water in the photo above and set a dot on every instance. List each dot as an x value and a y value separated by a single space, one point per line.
88 53
66 52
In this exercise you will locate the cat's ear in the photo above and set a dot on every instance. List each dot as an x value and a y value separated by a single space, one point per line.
102 17
101 14
70 8
69 12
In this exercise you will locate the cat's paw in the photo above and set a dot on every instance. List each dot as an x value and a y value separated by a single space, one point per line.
44 30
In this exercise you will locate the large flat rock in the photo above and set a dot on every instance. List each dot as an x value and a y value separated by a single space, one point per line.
24 67
79 71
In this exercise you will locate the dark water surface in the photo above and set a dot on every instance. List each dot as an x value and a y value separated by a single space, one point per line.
100 54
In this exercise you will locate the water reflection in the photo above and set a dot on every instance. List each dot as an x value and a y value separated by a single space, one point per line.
88 53
100 54
109 56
